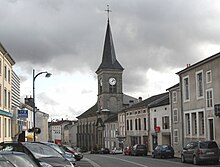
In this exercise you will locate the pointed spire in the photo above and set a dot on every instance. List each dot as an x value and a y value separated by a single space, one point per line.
109 60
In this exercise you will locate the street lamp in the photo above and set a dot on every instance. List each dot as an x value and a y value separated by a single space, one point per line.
34 112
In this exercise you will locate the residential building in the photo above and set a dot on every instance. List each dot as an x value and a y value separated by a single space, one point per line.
200 87
58 131
6 63
176 119
111 132
73 134
160 121
137 122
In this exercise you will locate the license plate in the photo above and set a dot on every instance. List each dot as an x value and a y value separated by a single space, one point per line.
210 153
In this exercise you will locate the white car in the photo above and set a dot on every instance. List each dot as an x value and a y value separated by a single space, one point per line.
117 151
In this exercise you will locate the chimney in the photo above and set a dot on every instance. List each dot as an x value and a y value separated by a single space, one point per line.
139 99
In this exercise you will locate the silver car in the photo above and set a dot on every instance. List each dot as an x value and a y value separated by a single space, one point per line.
200 151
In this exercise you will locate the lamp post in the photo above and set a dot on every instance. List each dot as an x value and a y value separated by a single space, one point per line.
34 112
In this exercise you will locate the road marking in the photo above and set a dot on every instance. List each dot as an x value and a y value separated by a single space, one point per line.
137 164
92 162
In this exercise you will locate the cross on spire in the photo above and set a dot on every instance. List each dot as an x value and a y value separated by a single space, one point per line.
108 11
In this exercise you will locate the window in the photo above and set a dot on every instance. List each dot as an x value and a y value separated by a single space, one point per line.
112 88
5 72
131 128
208 77
201 123
9 128
155 122
194 124
136 124
199 84
9 76
165 122
9 101
5 127
145 123
175 136
209 98
5 98
175 115
174 97
139 123
187 119
186 88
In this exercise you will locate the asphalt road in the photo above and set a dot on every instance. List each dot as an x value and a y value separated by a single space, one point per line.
107 160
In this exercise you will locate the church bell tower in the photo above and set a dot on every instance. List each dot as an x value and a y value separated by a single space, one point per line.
109 73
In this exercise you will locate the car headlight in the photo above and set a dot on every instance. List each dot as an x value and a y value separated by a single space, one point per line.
44 164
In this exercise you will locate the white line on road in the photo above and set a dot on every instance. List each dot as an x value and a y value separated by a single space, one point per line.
92 162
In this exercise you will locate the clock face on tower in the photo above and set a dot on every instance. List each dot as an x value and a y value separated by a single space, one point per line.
112 81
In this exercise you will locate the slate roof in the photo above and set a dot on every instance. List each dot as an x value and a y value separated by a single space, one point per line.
109 60
147 101
90 112
174 86
164 100
217 55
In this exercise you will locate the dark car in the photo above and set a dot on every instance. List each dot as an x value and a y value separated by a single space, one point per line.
70 157
127 150
104 151
78 156
139 149
163 151
40 153
200 151
16 159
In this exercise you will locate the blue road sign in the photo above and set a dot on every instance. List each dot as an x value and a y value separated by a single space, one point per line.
22 113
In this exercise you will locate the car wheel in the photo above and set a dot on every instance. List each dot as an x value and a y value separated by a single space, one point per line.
153 156
183 159
195 162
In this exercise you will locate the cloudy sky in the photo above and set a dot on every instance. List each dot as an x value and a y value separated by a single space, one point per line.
153 40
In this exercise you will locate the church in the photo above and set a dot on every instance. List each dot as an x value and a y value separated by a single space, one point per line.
110 98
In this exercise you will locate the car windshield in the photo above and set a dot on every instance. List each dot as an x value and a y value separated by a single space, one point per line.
164 146
6 164
41 150
141 147
208 145
57 148
20 160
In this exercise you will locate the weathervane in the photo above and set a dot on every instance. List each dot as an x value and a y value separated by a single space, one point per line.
108 11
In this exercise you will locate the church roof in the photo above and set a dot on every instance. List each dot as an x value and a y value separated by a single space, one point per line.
90 112
109 60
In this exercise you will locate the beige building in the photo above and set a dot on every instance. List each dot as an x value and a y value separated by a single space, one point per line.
176 119
6 63
200 92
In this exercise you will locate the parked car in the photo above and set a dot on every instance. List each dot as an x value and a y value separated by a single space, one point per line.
116 151
70 157
40 153
200 151
139 149
127 150
104 151
78 155
16 159
163 151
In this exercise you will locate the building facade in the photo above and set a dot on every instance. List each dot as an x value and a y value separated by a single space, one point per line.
200 87
6 63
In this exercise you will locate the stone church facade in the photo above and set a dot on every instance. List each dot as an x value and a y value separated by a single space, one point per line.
110 99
